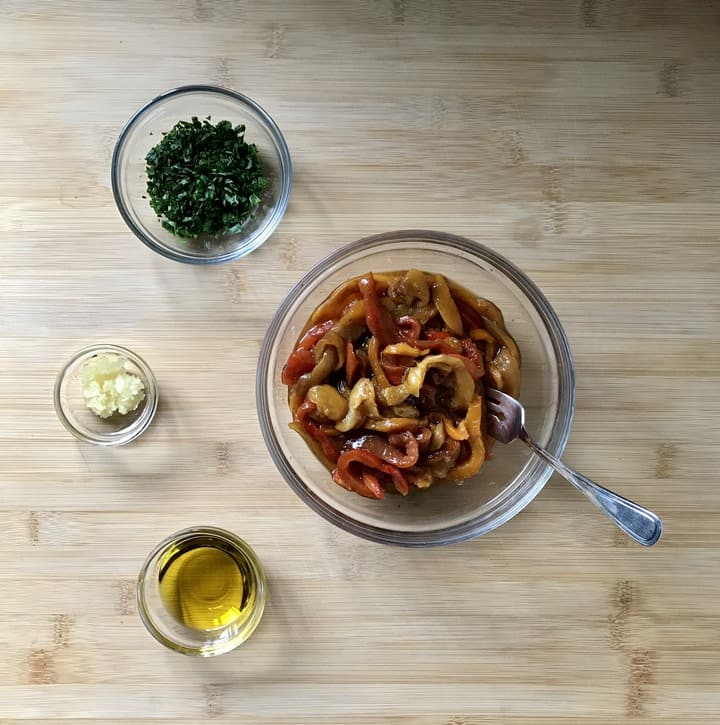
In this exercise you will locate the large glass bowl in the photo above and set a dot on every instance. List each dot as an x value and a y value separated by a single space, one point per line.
448 512
144 130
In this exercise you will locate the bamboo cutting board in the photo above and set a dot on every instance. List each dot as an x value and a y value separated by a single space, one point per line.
581 140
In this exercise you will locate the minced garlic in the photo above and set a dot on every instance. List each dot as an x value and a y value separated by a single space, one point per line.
108 388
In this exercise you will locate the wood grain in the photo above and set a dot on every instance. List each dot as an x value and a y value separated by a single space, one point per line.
578 138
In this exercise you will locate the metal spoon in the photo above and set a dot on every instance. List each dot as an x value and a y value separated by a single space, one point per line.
506 422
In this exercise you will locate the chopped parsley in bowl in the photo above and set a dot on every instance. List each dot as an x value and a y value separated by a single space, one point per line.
201 191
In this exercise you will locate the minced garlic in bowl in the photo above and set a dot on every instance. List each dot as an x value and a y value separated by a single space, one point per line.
108 388
106 395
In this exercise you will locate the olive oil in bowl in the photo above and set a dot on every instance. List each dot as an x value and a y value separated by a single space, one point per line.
202 591
204 587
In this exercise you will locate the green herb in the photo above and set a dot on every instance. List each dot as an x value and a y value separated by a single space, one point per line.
203 178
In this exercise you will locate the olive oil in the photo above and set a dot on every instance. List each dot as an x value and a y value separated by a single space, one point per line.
201 591
207 586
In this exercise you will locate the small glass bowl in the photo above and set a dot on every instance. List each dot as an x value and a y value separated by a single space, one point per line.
448 512
74 414
144 130
166 628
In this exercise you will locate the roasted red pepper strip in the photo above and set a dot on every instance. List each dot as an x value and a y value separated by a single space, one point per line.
301 361
470 317
372 483
428 344
439 340
310 338
378 319
325 442
473 354
411 445
344 476
471 367
437 334
352 363
410 328
395 373
363 484
399 449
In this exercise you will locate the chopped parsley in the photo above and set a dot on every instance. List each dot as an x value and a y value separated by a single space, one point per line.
203 178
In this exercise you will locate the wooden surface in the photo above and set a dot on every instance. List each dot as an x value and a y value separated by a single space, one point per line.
581 139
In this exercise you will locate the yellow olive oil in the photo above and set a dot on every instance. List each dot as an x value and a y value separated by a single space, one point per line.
206 587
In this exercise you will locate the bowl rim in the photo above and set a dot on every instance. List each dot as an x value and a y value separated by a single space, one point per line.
263 233
560 429
124 435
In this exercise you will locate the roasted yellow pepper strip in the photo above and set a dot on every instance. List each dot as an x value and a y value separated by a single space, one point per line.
402 348
329 403
361 403
443 300
464 384
317 375
472 465
377 368
457 433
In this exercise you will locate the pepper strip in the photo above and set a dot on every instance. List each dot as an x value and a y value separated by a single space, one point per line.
326 443
410 328
352 363
331 340
390 450
340 298
470 366
473 421
457 433
375 364
372 483
473 354
445 304
469 315
343 476
479 333
441 341
301 361
378 318
316 376
395 370
310 338
394 373
395 425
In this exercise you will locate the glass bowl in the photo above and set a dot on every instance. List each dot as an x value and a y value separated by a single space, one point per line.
445 513
74 414
175 634
144 130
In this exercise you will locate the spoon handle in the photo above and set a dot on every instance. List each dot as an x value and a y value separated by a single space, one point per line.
638 523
